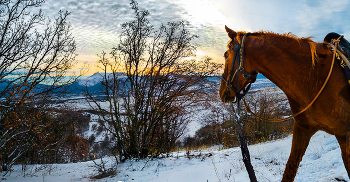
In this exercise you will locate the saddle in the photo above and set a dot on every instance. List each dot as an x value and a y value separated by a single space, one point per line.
344 45
343 52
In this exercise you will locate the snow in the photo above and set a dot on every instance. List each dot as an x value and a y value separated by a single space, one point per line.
322 162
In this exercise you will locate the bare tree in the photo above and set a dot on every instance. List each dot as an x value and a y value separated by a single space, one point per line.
148 107
36 54
219 126
269 105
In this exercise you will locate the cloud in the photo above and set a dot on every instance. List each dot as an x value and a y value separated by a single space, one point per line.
308 18
96 23
304 18
321 17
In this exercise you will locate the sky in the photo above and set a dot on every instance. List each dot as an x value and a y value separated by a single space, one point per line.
96 23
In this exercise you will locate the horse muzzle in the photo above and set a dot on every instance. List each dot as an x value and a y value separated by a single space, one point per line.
228 97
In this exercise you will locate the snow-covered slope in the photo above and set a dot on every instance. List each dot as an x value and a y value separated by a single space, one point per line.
322 162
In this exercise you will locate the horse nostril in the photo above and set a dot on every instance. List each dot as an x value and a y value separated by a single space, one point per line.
227 96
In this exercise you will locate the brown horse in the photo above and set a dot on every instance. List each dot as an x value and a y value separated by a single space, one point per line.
299 67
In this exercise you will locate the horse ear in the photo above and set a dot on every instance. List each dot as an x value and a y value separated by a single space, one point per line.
232 34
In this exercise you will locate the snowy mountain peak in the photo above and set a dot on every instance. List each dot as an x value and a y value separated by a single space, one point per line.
97 78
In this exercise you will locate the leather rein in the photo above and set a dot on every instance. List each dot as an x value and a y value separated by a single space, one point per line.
239 50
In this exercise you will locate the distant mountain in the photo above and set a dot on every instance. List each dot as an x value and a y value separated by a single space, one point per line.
96 78
262 82
93 84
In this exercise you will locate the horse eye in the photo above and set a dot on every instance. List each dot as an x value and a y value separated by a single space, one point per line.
226 55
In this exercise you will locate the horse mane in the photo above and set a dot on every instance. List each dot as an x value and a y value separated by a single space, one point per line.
270 34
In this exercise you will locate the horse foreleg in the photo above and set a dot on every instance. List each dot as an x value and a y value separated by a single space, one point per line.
347 156
344 143
301 138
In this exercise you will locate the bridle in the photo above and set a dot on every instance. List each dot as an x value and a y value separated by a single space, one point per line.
250 77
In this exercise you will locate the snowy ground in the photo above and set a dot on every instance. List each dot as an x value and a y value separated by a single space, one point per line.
322 162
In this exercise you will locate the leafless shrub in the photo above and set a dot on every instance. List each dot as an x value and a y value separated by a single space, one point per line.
148 103
103 171
219 127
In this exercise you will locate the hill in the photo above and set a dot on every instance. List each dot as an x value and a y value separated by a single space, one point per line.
93 84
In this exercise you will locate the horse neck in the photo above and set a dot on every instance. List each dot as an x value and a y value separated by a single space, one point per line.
289 66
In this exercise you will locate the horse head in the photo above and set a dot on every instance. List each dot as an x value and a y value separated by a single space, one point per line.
238 73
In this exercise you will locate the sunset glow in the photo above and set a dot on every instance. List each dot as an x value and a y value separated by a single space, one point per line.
96 24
